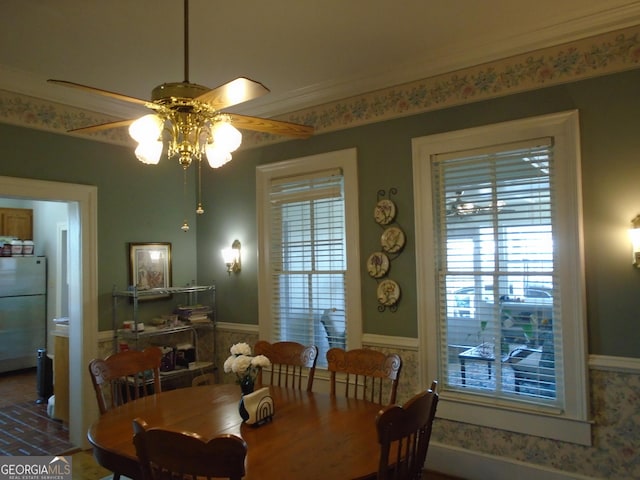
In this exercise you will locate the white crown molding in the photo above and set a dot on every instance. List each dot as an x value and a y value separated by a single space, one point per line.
32 85
456 57
453 58
608 53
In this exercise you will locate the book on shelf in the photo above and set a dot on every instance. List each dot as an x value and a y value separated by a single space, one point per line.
193 313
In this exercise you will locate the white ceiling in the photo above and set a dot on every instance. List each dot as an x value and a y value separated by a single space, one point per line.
307 52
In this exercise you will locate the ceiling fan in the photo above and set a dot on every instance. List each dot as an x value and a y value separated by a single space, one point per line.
192 116
461 208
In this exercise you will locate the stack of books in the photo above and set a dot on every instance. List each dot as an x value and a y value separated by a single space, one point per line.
193 313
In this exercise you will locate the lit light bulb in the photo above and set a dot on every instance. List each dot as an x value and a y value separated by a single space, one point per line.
147 128
226 136
149 152
216 156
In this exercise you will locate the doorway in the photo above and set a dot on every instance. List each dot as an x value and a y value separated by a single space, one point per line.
82 276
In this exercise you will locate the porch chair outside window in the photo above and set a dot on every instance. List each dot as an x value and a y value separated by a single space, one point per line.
368 374
125 376
165 454
334 327
404 433
289 360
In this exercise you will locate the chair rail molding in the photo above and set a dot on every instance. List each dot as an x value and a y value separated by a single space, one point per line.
615 364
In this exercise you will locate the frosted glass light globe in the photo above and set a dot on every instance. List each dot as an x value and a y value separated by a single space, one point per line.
147 128
226 136
216 156
149 152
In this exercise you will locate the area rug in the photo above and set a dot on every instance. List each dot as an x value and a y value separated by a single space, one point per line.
26 429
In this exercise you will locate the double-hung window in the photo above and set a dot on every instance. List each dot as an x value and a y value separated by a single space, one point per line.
499 214
308 262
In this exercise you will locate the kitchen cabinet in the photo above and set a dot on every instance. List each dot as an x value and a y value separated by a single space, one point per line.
190 324
16 222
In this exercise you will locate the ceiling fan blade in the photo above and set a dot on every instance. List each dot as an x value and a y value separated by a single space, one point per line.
267 125
103 126
106 93
231 93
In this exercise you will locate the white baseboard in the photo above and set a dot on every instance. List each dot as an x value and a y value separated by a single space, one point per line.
472 465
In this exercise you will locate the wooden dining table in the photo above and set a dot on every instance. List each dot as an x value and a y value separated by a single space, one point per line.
311 435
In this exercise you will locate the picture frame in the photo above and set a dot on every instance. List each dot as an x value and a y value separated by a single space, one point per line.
150 267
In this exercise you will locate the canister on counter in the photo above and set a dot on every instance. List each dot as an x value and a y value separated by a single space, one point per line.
5 251
27 248
16 248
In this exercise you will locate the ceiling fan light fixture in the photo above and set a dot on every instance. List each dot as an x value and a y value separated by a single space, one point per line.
149 152
147 128
193 119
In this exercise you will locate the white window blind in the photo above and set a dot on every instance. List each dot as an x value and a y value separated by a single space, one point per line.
499 328
308 258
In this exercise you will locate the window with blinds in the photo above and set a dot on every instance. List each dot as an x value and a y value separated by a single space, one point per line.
308 258
308 245
499 316
500 271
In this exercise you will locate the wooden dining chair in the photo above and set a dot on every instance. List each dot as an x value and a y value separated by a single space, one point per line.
403 434
289 360
124 376
367 373
204 379
168 454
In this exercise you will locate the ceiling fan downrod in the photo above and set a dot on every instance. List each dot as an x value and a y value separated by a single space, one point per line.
186 41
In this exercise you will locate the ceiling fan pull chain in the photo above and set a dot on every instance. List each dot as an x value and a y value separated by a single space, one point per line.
185 224
199 210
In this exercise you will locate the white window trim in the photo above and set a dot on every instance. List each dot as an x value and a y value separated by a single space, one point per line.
571 425
347 161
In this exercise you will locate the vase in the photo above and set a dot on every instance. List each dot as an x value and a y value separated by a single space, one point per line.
244 414
246 386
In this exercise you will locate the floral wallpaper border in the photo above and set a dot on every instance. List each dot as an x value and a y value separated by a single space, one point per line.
593 56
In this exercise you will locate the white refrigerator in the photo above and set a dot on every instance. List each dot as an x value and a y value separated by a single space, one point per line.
23 311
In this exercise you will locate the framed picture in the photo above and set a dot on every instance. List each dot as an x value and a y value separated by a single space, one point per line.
150 267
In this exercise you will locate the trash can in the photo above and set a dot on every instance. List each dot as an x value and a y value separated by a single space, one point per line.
44 376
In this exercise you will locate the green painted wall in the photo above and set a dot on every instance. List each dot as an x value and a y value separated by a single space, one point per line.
136 202
609 117
139 203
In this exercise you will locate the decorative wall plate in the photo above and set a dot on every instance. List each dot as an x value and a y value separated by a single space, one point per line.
392 240
378 264
388 293
384 212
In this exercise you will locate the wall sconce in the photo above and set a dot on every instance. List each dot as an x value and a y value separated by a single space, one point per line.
634 234
231 256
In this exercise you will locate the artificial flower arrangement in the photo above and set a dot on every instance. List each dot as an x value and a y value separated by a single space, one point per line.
245 365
